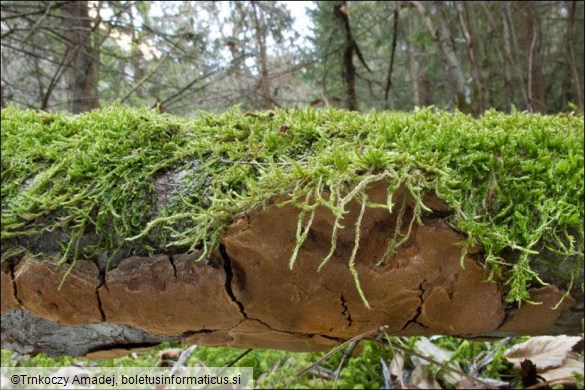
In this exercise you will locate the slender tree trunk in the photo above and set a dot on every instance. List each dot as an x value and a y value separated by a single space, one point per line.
340 9
466 17
487 62
442 36
509 63
61 69
570 48
412 62
137 57
512 50
531 44
392 53
264 82
84 60
426 92
38 73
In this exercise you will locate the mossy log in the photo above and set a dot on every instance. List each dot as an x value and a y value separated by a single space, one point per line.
293 230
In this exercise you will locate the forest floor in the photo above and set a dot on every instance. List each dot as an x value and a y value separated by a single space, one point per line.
388 362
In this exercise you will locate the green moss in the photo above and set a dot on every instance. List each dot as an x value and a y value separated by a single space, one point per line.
514 181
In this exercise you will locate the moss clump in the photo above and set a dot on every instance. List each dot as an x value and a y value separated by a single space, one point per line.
514 181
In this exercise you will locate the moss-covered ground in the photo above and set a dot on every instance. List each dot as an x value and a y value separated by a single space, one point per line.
514 181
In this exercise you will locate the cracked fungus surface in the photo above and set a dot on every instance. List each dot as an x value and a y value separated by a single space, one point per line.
117 183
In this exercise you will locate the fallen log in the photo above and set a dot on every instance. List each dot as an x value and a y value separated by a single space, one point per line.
108 249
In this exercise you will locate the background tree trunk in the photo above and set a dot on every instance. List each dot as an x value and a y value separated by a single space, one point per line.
440 32
570 47
392 54
413 66
83 57
137 59
530 42
467 17
260 33
348 73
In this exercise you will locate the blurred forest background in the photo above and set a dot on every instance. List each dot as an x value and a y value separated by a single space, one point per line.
208 55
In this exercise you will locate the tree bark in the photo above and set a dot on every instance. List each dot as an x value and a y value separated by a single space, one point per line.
84 57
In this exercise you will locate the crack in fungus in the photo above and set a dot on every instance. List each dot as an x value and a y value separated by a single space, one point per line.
229 275
345 313
102 277
172 261
414 319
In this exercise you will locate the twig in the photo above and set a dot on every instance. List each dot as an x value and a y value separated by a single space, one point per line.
487 358
361 336
33 28
240 356
322 373
344 359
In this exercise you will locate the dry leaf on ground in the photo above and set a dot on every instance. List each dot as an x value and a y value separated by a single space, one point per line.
544 351
552 355
566 370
